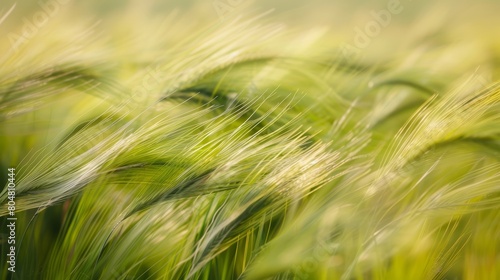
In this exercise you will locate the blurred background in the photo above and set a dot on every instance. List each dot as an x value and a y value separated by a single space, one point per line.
416 24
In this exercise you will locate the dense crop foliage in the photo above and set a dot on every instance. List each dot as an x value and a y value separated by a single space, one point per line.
167 149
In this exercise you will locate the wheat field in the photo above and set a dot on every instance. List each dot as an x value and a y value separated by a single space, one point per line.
239 139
